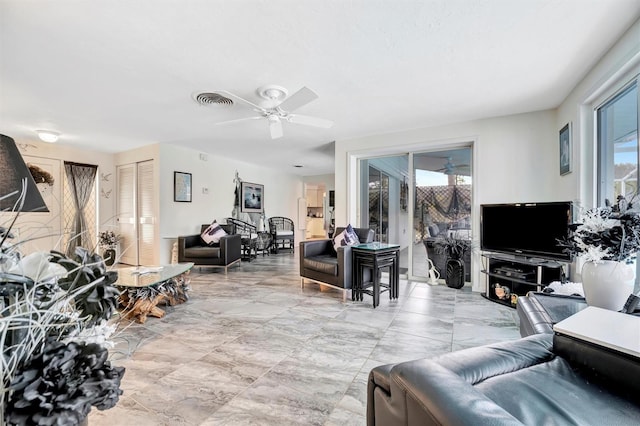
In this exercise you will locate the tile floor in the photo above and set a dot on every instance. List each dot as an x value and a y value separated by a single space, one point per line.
254 348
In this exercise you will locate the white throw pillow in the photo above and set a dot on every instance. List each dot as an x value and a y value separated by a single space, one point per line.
213 233
347 237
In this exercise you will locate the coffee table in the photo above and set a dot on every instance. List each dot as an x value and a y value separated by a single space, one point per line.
143 288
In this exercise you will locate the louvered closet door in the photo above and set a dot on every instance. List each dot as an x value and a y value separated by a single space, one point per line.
146 198
126 208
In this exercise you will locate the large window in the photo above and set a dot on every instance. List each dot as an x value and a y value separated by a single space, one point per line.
617 131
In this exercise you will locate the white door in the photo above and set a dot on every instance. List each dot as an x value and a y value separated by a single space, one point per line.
135 207
126 213
146 219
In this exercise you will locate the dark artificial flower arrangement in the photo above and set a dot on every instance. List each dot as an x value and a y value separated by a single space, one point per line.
606 233
452 247
108 238
54 330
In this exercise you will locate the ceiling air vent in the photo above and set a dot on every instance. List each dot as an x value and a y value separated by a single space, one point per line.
208 98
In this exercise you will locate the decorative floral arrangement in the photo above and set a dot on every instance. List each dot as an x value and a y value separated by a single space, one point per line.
453 247
54 331
108 238
606 233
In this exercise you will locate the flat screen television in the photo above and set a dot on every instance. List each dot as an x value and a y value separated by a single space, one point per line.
527 229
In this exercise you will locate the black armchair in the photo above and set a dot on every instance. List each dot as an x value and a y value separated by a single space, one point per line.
224 254
282 233
319 261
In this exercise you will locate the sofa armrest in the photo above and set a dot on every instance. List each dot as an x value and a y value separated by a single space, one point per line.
230 248
428 393
187 241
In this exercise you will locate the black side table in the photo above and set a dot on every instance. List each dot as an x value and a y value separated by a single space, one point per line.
376 257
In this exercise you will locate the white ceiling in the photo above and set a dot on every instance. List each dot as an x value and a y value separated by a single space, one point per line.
115 75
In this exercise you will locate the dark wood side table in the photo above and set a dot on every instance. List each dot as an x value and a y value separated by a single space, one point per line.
375 257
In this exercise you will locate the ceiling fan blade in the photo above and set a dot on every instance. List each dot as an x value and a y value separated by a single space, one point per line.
275 127
298 99
238 120
241 100
310 121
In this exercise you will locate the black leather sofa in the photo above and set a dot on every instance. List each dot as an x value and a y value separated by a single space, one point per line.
224 254
538 311
321 263
543 379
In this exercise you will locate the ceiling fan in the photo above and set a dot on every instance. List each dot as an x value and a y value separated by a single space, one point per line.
278 108
450 168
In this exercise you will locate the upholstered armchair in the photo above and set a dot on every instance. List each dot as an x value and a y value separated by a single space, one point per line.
282 233
226 253
320 262
248 235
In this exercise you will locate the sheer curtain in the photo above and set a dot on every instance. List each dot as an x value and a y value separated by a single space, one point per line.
81 179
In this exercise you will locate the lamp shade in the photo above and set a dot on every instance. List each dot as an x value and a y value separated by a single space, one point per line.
13 170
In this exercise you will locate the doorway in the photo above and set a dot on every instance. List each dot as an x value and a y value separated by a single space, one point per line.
442 192
135 207
383 205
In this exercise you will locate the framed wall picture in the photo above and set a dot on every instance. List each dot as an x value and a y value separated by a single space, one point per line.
252 200
565 149
182 187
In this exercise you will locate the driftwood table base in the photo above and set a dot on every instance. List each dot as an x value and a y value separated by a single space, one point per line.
139 302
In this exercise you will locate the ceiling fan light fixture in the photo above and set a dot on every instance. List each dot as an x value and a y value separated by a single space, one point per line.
48 136
273 92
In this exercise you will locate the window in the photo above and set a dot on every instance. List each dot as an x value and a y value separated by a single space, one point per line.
617 133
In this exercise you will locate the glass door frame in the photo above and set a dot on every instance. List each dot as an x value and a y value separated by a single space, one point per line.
355 197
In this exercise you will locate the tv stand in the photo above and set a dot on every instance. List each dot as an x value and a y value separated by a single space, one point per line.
511 276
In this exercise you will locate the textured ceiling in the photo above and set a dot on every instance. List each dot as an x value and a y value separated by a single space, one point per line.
115 75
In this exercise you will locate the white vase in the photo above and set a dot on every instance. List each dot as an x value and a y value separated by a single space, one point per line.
607 284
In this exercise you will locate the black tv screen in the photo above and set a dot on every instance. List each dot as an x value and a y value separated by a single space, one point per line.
528 229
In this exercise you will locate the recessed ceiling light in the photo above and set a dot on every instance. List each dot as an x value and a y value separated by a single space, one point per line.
298 166
48 135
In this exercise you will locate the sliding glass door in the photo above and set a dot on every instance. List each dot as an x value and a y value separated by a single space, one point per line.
442 206
379 204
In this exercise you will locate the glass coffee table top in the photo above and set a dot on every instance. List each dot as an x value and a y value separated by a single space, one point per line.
375 246
145 276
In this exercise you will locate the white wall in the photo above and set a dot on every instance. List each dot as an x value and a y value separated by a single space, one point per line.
516 158
617 67
281 192
65 152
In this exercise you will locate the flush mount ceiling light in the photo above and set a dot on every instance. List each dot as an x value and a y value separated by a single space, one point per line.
273 93
48 135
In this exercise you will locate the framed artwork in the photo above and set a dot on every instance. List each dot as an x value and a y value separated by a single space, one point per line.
252 200
565 149
182 187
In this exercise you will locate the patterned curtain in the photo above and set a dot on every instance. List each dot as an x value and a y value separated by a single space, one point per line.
81 179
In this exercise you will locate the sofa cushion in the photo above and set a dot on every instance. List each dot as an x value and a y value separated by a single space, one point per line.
326 264
433 230
213 233
202 252
283 233
347 237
